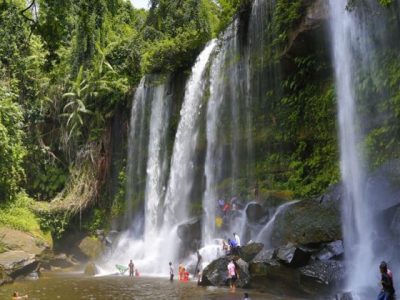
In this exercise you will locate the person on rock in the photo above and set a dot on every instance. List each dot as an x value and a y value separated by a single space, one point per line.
387 292
237 239
232 275
131 268
225 247
171 272
233 246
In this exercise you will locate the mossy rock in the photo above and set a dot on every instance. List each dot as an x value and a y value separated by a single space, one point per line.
308 222
91 247
91 269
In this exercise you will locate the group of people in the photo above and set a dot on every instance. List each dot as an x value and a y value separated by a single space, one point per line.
232 246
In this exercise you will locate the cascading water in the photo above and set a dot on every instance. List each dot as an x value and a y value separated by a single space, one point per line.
137 145
239 81
264 236
147 250
355 35
160 242
182 167
356 215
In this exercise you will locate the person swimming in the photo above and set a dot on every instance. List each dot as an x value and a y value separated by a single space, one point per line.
16 296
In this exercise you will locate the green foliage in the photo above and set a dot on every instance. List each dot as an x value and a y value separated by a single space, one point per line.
119 203
168 55
379 94
96 220
56 222
286 15
12 150
18 215
180 30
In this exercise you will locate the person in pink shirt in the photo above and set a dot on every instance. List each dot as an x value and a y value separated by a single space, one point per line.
232 275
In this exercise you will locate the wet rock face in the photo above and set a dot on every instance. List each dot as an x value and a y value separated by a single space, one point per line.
17 263
309 221
332 250
216 273
249 251
293 256
255 212
190 233
322 276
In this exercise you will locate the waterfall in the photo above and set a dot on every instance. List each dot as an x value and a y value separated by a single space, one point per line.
181 176
356 34
137 145
160 243
239 82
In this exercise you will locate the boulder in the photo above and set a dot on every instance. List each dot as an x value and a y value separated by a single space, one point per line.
61 261
91 247
190 233
255 212
263 263
331 250
249 251
293 256
12 239
321 276
18 263
216 273
312 221
265 255
91 269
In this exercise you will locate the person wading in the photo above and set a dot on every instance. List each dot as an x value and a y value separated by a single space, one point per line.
387 292
232 275
131 268
171 272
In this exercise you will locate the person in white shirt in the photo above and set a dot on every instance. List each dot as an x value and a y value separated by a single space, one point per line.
237 239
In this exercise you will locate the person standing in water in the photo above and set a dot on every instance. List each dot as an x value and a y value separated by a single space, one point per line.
199 258
387 292
131 268
232 275
171 272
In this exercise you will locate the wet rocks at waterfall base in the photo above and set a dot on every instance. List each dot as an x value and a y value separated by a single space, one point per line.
301 269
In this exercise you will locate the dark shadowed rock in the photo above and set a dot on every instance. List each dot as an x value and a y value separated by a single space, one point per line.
312 221
255 212
216 273
265 255
321 276
293 256
249 251
18 263
190 233
332 250
61 261
91 269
